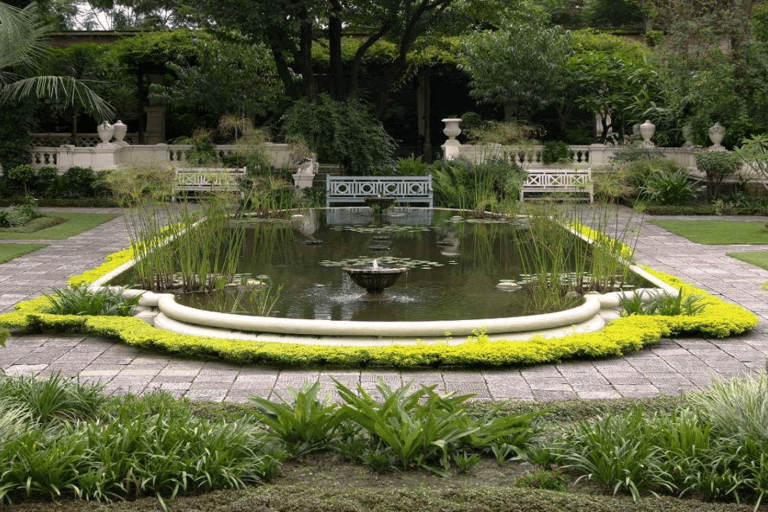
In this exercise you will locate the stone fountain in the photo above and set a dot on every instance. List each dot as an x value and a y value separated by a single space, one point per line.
374 278
379 203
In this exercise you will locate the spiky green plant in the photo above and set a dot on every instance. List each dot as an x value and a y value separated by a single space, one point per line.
306 423
78 300
54 398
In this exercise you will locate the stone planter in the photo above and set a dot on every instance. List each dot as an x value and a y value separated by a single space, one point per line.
647 129
451 130
106 132
716 135
120 129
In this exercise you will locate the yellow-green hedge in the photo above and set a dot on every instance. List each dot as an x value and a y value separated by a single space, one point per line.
624 335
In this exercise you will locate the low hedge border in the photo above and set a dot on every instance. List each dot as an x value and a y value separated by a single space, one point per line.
702 209
719 319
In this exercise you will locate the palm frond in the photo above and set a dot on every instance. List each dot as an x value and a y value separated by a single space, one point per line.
22 36
60 88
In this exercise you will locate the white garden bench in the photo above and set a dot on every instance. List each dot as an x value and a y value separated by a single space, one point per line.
550 181
206 179
354 189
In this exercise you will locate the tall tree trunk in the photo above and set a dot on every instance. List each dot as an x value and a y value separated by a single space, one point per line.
276 39
305 55
73 135
338 90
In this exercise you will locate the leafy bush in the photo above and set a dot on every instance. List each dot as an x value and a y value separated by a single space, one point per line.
493 132
717 165
136 184
411 166
636 153
78 182
20 214
203 150
16 127
556 151
77 300
342 132
21 178
664 187
47 183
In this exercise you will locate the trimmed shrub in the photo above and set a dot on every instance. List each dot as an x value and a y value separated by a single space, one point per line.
717 165
78 182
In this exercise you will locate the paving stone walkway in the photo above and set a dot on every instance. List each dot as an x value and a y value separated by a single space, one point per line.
670 367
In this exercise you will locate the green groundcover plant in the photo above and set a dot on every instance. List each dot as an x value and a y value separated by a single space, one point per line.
717 318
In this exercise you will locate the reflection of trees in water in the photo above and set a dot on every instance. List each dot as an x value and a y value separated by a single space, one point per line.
266 243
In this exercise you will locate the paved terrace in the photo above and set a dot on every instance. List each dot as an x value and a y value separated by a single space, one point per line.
671 367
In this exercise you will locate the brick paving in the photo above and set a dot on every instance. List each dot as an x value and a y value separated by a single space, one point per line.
671 367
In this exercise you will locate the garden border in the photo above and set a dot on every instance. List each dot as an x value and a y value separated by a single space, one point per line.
621 336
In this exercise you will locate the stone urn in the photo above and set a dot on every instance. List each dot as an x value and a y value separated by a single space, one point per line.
451 130
647 129
106 132
716 135
120 129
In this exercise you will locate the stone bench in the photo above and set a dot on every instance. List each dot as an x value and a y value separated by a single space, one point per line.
206 179
354 189
546 181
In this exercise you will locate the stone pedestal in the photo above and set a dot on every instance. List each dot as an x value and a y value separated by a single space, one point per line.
451 146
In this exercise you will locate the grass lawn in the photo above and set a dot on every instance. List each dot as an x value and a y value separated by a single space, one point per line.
717 232
76 224
758 258
10 251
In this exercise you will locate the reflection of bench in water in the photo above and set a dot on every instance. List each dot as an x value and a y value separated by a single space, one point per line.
364 216
354 189
206 179
545 181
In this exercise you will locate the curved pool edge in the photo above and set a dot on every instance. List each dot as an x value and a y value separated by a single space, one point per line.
163 322
590 316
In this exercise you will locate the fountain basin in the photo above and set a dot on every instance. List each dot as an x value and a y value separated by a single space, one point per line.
382 203
591 316
374 280
165 312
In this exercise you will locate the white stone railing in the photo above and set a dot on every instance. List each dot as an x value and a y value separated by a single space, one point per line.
523 155
110 156
529 156
82 140
582 156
